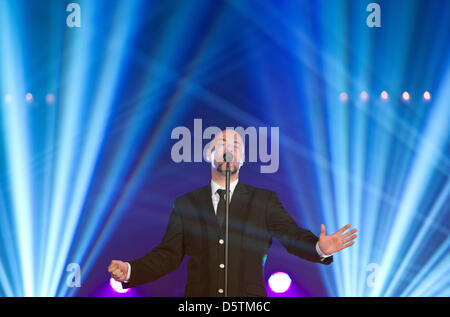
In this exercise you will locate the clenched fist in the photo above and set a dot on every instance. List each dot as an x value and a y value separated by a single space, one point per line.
118 270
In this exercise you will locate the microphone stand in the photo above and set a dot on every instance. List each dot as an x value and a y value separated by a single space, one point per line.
227 209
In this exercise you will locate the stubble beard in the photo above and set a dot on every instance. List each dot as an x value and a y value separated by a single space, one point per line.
221 168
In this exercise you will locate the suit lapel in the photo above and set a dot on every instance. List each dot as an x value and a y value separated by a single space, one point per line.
239 207
207 214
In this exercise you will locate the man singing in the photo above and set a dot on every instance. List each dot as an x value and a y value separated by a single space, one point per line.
197 228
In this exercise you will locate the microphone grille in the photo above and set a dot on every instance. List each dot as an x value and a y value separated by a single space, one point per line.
228 157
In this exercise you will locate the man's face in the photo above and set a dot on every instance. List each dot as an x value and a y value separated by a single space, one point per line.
227 141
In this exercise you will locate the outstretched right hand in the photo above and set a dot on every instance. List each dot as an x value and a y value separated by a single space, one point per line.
118 270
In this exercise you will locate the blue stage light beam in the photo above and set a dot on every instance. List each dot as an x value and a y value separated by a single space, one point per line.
433 217
160 77
16 138
101 109
433 140
72 104
374 187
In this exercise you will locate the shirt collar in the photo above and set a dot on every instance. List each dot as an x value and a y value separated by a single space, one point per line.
215 187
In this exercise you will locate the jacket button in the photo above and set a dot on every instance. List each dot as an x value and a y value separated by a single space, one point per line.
220 290
221 241
221 266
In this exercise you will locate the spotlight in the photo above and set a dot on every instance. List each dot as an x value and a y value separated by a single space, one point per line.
279 282
405 96
426 96
29 97
117 286
50 99
343 97
8 98
384 95
364 96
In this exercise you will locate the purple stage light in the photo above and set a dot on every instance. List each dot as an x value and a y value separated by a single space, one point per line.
279 282
117 286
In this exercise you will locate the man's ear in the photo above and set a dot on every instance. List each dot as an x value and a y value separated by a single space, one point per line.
241 161
208 153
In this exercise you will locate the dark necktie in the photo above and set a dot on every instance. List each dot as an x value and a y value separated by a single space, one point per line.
221 208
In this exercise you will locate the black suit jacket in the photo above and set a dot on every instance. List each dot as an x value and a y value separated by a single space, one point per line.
256 216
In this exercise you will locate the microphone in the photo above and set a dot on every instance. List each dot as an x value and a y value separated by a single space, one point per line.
228 157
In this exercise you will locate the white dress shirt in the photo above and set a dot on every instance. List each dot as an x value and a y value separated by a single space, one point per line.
215 200
216 197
